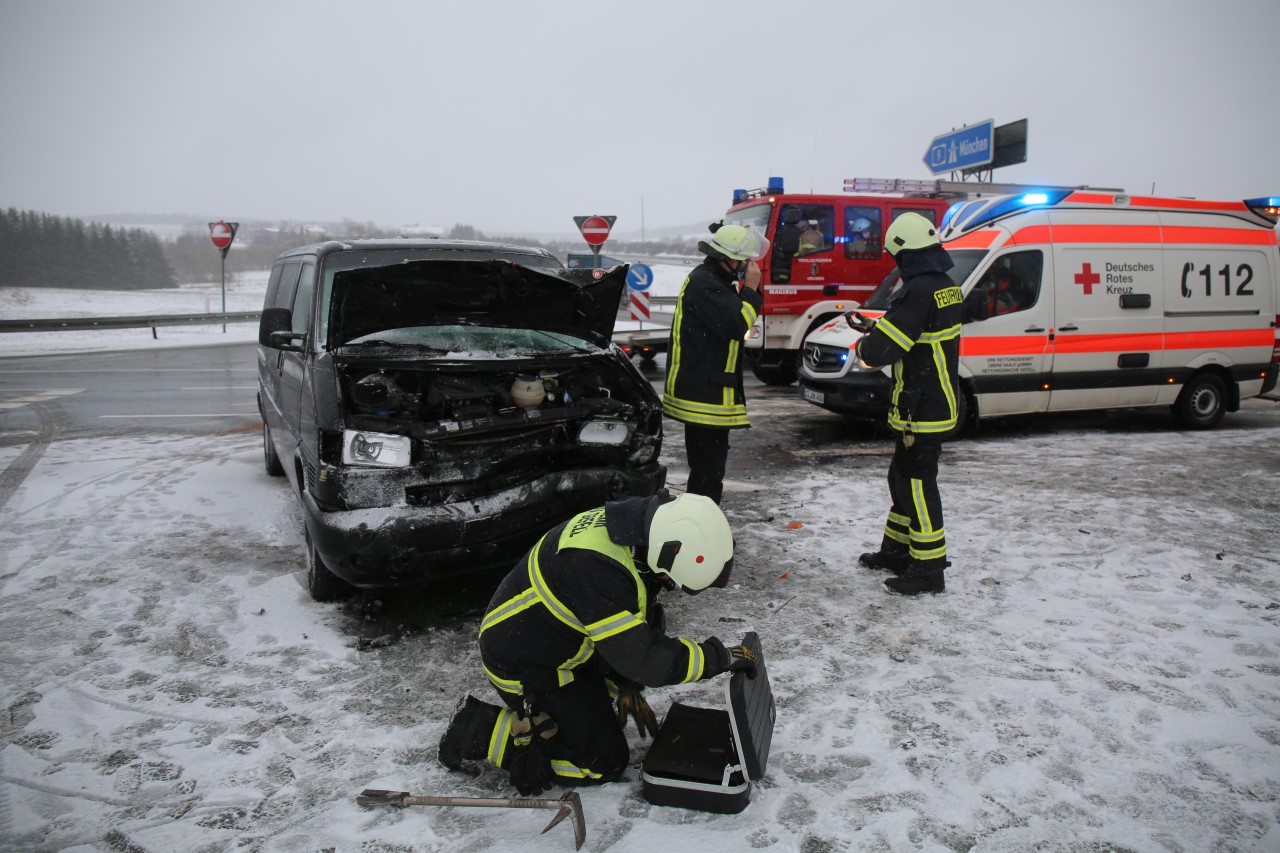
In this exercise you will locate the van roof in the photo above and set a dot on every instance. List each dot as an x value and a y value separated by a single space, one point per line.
428 244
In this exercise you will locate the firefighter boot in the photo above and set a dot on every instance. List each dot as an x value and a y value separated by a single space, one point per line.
884 561
467 736
919 576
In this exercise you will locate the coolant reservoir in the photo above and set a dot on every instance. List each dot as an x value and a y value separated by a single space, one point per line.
527 391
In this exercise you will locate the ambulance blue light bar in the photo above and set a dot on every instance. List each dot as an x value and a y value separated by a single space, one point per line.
1014 203
1267 205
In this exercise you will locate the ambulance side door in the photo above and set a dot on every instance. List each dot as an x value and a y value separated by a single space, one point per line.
1219 305
1008 354
1108 340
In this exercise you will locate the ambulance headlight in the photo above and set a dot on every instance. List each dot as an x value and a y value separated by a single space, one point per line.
604 432
375 449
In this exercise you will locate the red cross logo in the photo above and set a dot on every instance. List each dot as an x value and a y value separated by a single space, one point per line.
1088 278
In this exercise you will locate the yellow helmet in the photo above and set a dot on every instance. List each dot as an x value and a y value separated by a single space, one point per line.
736 242
908 232
689 541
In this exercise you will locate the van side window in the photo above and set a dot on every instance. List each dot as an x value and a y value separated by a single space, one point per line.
1012 282
862 232
288 285
273 285
302 300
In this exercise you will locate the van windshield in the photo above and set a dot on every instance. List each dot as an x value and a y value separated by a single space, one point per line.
966 261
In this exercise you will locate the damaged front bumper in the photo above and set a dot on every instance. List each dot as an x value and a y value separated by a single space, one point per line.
404 545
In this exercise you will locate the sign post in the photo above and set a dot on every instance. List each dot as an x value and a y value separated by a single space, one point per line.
222 234
595 230
639 277
970 147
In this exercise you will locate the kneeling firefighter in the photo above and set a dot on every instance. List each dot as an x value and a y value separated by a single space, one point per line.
576 624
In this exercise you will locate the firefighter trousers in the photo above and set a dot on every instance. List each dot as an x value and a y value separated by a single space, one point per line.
914 528
589 746
707 449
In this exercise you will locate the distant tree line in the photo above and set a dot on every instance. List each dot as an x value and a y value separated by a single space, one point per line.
41 250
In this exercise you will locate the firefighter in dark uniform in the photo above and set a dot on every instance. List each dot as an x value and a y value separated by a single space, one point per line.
703 386
920 336
576 624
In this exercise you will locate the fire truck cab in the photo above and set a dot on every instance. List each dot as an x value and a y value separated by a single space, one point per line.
825 257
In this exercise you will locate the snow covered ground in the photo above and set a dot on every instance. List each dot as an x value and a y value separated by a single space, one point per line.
1102 674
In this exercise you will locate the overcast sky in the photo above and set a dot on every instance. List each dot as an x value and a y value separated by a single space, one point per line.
515 116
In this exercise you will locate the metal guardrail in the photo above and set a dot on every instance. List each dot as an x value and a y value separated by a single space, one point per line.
71 324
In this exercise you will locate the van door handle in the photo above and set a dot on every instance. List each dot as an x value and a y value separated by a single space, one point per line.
1068 328
1034 330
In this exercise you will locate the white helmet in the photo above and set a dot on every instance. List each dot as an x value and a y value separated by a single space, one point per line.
910 232
689 541
736 242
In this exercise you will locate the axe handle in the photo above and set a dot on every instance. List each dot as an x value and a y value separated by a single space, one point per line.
483 802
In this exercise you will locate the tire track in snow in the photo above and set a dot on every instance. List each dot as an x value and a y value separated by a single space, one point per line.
53 422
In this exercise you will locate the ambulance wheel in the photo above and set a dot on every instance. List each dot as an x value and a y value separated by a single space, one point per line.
1202 403
322 584
964 410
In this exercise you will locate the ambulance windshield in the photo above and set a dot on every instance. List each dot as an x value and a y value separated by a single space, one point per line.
966 261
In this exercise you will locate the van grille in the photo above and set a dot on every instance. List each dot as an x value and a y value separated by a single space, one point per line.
821 358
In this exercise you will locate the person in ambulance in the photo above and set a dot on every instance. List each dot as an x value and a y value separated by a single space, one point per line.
920 336
577 623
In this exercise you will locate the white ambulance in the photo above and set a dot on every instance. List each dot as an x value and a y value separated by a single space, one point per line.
1081 299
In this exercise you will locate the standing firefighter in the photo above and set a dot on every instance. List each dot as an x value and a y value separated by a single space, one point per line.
704 367
577 623
920 336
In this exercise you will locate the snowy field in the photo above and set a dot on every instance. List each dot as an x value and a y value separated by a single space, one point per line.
1102 674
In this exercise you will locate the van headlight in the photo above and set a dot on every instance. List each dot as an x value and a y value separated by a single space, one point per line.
375 449
604 432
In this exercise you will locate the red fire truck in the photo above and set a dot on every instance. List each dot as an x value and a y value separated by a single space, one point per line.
825 258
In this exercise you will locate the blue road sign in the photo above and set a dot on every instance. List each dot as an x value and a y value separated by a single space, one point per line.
965 148
639 277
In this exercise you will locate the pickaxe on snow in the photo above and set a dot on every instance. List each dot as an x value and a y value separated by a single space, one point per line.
569 804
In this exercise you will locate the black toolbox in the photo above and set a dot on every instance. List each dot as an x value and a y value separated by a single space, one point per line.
706 758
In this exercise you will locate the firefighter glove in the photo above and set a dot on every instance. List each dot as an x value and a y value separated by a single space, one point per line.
529 767
729 658
631 703
859 322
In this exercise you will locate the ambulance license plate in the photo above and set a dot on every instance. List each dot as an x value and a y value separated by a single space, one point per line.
813 396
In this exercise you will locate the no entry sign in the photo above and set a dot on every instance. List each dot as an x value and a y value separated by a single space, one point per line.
222 233
595 229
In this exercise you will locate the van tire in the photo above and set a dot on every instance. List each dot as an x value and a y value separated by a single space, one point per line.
270 460
322 584
964 414
775 374
1202 403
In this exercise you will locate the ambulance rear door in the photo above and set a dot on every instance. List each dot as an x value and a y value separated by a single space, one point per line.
1108 338
1008 355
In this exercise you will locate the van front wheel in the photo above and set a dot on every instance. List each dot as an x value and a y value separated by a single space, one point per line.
1202 403
323 584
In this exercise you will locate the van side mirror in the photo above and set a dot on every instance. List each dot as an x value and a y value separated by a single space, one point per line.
275 330
976 307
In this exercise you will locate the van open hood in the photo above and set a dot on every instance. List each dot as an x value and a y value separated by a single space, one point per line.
409 292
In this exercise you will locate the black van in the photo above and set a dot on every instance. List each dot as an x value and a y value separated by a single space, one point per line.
438 405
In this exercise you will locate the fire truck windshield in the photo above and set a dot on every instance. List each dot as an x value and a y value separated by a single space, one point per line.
966 261
756 214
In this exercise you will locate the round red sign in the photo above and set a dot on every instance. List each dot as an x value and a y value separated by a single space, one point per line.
595 230
221 235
